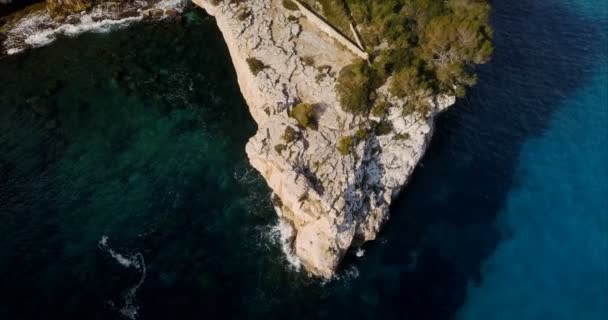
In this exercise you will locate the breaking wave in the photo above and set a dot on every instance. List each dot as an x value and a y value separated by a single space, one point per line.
282 233
39 29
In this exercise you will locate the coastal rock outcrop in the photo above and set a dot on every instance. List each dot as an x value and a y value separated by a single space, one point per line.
41 23
329 200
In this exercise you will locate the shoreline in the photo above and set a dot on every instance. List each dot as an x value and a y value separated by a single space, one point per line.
38 28
327 203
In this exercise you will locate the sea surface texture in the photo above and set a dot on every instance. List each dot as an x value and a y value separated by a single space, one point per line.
125 191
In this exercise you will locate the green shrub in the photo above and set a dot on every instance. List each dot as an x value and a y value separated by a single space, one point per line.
383 128
401 136
290 5
411 81
380 109
424 108
334 12
345 145
290 135
304 113
409 107
361 135
432 45
354 87
255 65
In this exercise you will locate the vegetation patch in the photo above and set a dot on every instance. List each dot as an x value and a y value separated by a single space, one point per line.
279 148
433 46
290 5
290 135
380 109
354 87
308 61
304 113
382 128
345 145
401 136
255 65
335 12
361 134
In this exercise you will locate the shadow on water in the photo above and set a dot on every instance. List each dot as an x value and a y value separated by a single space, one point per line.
443 227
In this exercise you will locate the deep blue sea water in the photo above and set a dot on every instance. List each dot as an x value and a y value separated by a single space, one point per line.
124 186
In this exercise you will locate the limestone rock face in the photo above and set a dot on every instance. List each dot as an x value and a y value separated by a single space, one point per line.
330 201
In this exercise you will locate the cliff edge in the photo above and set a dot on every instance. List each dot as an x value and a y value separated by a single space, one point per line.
330 200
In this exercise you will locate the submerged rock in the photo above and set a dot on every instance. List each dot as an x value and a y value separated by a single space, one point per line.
330 201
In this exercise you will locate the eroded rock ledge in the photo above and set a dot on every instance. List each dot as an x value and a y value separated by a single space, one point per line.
330 201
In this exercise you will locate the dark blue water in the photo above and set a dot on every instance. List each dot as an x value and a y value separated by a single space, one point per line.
125 186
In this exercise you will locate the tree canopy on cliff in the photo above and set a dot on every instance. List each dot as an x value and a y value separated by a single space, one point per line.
426 46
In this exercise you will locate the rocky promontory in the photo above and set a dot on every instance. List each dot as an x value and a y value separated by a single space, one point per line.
333 174
344 93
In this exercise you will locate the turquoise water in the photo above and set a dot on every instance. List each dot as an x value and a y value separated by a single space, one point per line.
125 191
554 262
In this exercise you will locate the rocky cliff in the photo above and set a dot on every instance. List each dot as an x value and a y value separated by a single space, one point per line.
330 201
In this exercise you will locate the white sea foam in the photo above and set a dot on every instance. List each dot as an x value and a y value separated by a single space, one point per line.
283 234
351 273
39 29
360 252
13 51
245 175
136 261
126 262
130 309
171 4
86 24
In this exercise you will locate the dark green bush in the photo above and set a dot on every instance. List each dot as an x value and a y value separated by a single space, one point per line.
432 45
345 145
361 135
354 87
290 5
290 135
412 81
380 109
255 65
383 128
304 113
